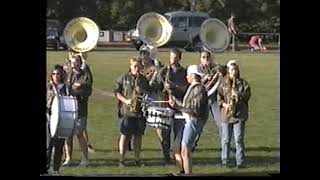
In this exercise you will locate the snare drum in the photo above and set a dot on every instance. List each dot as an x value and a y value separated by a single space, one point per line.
64 115
159 117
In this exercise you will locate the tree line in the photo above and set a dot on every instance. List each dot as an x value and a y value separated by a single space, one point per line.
251 15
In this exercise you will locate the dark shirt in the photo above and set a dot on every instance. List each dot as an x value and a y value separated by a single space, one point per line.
176 75
83 92
125 85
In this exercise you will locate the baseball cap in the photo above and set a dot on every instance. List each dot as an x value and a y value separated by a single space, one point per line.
193 69
231 63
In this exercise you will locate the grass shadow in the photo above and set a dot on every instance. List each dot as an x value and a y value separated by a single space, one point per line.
251 161
259 148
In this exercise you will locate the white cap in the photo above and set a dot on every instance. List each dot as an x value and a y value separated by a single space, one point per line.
193 69
231 63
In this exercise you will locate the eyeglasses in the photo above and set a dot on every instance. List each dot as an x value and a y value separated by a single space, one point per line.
205 57
55 73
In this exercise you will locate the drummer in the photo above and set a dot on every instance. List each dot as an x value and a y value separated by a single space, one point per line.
171 81
55 86
80 87
194 107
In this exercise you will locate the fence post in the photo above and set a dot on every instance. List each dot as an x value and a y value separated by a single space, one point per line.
233 38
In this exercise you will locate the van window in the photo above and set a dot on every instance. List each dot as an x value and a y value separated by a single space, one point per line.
180 22
196 21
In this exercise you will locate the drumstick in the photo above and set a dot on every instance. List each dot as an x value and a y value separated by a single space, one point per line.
160 101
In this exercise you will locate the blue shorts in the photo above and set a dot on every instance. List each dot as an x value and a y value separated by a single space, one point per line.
132 125
191 131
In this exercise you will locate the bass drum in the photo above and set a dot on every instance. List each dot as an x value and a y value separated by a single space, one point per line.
64 115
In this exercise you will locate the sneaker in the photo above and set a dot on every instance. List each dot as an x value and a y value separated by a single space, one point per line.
226 165
138 163
179 173
91 149
121 164
66 163
241 166
56 173
84 163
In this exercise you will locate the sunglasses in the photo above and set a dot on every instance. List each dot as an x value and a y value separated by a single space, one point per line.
205 57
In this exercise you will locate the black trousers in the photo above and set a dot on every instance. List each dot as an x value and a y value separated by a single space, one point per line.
165 141
54 144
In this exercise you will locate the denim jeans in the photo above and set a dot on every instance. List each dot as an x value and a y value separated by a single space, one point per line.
214 111
237 129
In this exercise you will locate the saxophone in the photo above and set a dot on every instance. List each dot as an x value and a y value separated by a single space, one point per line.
167 80
166 91
214 78
150 73
136 97
231 111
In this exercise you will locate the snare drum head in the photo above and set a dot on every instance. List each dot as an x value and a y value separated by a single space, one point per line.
54 118
160 111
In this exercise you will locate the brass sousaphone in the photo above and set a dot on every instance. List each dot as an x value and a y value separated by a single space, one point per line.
81 34
154 29
214 35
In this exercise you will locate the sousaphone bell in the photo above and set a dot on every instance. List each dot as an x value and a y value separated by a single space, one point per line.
81 34
154 29
214 35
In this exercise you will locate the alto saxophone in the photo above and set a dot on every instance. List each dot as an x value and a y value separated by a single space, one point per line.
167 80
136 98
166 90
231 111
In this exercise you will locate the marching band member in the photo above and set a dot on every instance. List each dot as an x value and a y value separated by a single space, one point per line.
211 78
171 81
194 107
80 87
55 87
150 68
85 67
148 56
233 96
129 87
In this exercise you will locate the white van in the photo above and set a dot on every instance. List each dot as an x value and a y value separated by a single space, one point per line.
186 27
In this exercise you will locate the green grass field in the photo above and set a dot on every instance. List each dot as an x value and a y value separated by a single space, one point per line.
262 138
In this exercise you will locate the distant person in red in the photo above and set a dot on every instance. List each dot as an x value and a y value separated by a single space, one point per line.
256 43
